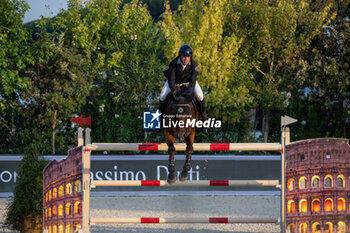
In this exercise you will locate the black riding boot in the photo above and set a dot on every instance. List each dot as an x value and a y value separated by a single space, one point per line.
161 106
203 111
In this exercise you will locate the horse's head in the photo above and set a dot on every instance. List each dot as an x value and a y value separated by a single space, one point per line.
181 114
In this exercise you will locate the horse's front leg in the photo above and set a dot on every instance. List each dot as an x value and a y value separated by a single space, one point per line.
189 150
170 140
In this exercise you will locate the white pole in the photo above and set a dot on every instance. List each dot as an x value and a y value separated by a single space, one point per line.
182 146
283 180
184 220
86 190
285 140
130 183
80 137
87 136
287 136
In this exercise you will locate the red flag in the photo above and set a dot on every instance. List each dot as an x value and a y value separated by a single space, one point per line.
81 121
87 121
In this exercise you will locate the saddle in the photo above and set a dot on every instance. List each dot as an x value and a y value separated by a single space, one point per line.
181 103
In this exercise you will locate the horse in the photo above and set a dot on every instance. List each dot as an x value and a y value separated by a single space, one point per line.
176 113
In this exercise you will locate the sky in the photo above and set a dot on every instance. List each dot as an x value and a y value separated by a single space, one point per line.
47 8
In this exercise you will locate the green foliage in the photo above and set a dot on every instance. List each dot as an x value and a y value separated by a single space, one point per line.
105 58
273 33
224 75
323 73
13 46
13 59
119 129
156 7
27 203
123 49
57 88
227 133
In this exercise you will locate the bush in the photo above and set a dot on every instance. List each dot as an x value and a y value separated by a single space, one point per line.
25 211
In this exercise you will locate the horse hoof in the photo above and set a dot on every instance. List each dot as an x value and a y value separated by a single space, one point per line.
171 181
171 178
184 176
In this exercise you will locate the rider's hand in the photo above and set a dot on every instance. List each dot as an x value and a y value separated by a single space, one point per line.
177 93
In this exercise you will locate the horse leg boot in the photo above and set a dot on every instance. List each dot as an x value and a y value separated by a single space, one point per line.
171 167
187 165
184 173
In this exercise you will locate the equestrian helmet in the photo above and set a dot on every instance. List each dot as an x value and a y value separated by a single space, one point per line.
186 51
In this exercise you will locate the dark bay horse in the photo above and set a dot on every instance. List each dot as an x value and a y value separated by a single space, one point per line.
174 114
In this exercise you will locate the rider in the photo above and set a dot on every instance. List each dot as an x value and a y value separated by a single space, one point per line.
182 72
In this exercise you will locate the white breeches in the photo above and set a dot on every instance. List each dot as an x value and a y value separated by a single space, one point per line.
166 90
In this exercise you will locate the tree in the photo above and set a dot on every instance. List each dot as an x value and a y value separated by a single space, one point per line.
273 33
223 75
156 7
123 49
13 56
57 89
323 72
25 211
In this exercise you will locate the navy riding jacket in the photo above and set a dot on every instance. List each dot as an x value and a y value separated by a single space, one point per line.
176 75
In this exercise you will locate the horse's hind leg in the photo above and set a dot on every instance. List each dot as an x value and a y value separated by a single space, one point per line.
170 140
189 150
